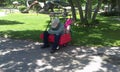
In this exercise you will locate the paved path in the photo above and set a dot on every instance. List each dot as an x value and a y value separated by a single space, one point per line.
26 56
2 14
8 10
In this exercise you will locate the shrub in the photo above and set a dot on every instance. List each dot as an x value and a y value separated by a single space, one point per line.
22 8
113 13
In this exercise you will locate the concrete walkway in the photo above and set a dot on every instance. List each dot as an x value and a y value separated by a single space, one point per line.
7 11
2 14
26 56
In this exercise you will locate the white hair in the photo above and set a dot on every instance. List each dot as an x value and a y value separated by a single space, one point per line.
55 22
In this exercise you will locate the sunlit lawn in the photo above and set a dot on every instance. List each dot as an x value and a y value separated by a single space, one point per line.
30 26
23 26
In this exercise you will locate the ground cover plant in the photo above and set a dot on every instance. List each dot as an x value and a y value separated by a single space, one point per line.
30 26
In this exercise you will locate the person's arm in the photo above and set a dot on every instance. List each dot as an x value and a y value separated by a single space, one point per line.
58 31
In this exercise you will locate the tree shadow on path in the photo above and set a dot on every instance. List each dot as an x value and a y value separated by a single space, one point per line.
26 56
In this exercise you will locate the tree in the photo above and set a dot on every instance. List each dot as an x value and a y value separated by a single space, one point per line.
113 5
118 3
2 2
88 15
73 9
96 10
79 6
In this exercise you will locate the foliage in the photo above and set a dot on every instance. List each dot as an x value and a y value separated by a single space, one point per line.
22 8
90 11
112 13
2 2
62 3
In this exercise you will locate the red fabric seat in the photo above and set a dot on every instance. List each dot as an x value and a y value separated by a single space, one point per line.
65 38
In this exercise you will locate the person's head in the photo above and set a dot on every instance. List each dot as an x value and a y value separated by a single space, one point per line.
55 22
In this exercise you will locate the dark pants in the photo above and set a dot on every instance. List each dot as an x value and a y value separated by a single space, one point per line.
56 40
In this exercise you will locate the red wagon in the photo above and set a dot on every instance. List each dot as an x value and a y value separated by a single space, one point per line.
65 38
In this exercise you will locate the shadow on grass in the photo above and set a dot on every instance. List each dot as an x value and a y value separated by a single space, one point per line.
85 36
106 34
7 22
33 35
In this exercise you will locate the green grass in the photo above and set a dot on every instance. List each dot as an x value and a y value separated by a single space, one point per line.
107 33
30 26
23 26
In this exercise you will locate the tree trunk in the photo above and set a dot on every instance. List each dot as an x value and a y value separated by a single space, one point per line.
78 3
73 9
118 5
88 10
27 3
96 10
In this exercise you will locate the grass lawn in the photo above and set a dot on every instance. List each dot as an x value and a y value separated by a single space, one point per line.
23 26
30 26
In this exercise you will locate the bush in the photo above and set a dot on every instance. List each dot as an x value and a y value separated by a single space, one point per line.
22 8
113 13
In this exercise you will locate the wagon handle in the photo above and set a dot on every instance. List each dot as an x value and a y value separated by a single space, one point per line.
48 24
